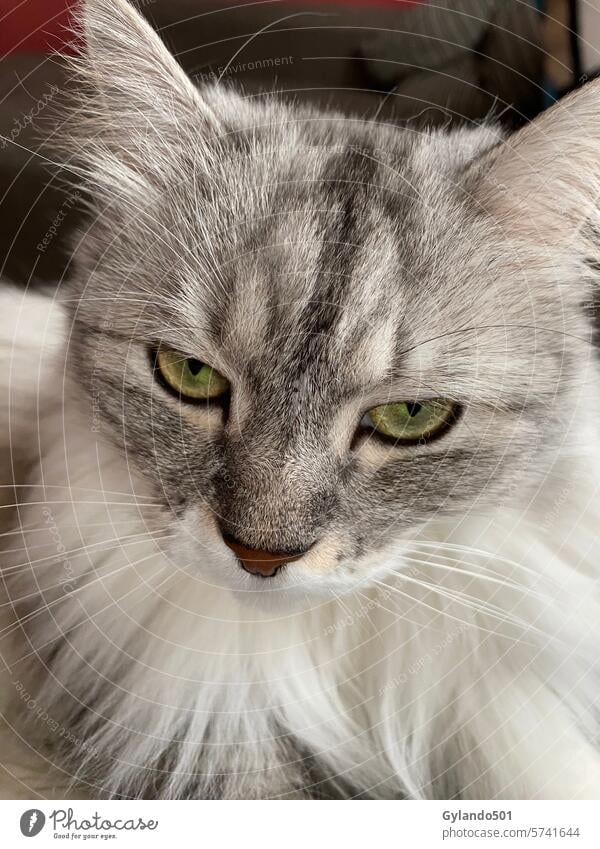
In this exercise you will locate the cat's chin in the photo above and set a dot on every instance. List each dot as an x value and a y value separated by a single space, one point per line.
292 591
289 592
279 602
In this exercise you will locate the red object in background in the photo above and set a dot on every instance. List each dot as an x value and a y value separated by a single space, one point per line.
35 26
42 26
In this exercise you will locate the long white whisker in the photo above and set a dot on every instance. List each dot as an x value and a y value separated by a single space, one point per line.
9 629
112 543
441 612
472 549
483 576
476 604
76 578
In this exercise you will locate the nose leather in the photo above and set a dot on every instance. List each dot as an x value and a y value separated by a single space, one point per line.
264 563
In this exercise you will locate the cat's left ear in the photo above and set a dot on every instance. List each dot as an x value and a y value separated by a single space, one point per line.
135 92
543 183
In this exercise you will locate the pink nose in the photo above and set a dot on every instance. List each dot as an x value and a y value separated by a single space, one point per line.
264 563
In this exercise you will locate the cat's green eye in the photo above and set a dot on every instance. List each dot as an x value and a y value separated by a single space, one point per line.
190 378
412 421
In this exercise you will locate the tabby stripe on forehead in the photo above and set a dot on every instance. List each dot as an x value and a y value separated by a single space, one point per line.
346 179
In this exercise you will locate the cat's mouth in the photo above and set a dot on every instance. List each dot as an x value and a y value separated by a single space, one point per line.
265 564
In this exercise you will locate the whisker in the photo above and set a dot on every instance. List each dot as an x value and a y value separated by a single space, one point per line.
441 612
144 536
75 502
4 632
477 604
451 593
40 591
472 549
70 488
87 619
399 615
483 576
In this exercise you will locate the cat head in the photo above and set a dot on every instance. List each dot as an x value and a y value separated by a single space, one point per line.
314 333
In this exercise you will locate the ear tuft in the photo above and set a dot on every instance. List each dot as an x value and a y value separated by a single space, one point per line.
125 56
135 106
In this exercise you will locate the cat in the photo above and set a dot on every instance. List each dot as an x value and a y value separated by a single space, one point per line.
301 466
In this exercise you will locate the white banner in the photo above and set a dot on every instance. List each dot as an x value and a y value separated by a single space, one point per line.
287 825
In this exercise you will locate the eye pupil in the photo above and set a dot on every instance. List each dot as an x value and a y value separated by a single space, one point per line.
194 366
189 378
413 421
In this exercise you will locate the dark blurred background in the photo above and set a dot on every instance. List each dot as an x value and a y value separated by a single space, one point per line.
399 60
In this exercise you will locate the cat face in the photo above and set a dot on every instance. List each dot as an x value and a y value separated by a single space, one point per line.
324 268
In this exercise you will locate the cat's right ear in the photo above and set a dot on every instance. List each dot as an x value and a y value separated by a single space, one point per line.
137 106
543 183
